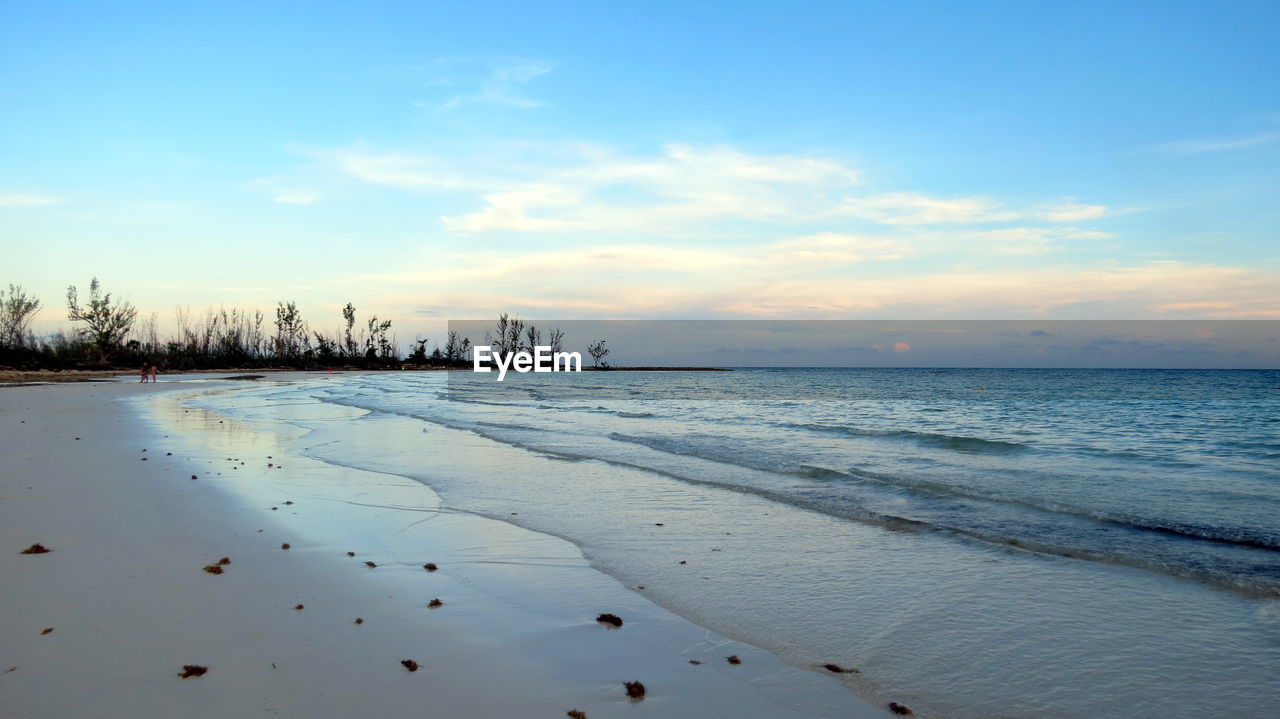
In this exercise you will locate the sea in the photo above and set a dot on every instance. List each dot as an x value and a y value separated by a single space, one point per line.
975 543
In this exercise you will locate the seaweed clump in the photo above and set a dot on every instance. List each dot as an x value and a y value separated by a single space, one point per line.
610 619
36 548
635 690
192 670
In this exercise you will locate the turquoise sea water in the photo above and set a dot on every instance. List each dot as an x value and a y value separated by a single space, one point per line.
978 543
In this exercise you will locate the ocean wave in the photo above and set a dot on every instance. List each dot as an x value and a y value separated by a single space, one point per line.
945 441
509 425
719 450
713 448
1246 537
926 502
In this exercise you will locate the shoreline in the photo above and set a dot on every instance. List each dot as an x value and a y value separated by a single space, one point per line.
22 378
124 591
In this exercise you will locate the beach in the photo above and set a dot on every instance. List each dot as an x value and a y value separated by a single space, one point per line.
134 505
1063 543
826 360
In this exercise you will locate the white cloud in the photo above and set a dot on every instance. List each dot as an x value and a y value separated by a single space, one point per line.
1200 146
1156 289
606 192
679 191
499 82
1070 212
681 186
28 200
284 190
832 247
1016 240
567 267
515 210
907 208
639 282
400 170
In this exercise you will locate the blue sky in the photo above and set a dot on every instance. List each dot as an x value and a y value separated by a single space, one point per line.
648 160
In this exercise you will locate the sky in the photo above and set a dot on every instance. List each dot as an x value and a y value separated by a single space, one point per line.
659 160
1146 344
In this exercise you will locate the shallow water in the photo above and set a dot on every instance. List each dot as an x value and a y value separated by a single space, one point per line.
1058 543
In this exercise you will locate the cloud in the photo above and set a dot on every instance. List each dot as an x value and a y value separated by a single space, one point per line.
1182 148
1070 212
907 208
1018 240
825 275
284 190
519 210
400 170
28 200
681 190
833 247
685 184
1158 289
568 267
490 81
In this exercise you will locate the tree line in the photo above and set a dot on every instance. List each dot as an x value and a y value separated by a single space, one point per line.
108 333
512 335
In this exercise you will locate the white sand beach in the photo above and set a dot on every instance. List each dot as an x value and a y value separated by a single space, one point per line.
123 588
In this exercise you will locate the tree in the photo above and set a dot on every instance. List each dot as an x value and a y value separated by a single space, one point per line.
16 312
326 348
598 352
107 323
291 333
377 345
514 330
533 338
504 322
349 341
419 354
557 340
452 347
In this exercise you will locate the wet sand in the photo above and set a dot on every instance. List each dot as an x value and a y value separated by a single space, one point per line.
135 591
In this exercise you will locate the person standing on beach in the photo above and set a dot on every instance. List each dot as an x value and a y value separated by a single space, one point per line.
144 373
155 371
